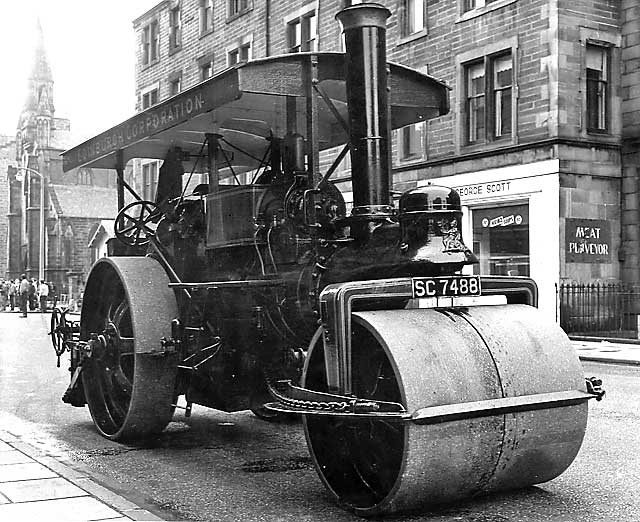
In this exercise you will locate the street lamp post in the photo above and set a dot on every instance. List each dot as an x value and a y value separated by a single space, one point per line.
41 259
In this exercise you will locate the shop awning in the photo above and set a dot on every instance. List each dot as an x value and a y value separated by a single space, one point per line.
247 105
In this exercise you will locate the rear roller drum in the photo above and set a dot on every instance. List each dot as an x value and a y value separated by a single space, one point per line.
128 383
423 358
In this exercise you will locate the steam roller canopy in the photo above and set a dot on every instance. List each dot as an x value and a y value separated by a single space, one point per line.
424 358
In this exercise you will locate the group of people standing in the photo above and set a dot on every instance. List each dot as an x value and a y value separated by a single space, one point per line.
24 294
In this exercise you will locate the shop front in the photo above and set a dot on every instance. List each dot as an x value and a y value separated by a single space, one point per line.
511 220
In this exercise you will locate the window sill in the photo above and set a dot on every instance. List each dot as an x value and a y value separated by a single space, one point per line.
479 11
410 160
411 37
150 64
235 16
206 33
497 143
175 50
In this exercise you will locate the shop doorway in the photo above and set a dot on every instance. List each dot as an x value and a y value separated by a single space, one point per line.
501 240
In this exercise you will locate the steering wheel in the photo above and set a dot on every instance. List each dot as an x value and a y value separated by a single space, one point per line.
135 223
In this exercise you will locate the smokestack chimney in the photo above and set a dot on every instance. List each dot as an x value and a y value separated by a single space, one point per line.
366 83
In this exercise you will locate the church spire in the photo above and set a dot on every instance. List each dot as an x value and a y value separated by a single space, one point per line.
40 84
41 70
37 118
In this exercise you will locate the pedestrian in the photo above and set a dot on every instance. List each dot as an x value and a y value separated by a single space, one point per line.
13 294
33 295
25 287
43 295
4 293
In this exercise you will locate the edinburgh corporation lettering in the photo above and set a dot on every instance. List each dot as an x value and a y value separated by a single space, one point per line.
148 123
588 241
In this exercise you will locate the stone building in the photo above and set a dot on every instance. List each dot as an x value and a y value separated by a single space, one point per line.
7 157
74 202
541 139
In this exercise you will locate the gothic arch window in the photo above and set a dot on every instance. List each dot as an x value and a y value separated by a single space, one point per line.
67 247
85 177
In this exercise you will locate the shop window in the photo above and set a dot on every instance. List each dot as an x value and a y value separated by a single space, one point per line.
597 88
149 180
411 142
206 16
150 43
488 99
237 7
414 19
501 240
175 29
239 54
301 33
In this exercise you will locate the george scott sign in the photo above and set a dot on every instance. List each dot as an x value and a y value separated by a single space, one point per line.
587 241
490 188
174 111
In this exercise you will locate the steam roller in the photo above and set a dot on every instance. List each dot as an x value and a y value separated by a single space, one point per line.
494 399
419 382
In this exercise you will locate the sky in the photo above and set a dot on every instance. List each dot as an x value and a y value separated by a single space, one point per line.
90 45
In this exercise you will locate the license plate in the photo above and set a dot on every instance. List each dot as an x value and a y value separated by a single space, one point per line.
454 286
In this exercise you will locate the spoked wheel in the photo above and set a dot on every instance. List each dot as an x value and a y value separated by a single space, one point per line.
135 223
425 358
59 333
129 385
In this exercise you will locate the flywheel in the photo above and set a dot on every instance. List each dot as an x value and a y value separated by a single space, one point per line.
129 383
447 357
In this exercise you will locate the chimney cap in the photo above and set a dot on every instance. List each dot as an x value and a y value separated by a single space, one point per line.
363 15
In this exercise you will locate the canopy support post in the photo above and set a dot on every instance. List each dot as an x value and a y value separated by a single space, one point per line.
313 134
120 180
212 167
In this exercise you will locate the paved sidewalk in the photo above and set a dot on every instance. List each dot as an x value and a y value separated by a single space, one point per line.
606 351
34 486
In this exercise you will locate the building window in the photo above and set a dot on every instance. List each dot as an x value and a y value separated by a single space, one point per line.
489 101
67 247
149 180
237 7
411 142
206 69
85 177
415 17
597 87
175 85
301 33
239 54
476 4
175 29
150 43
206 16
501 240
149 98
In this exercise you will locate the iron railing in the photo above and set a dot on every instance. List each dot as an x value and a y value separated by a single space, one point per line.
599 309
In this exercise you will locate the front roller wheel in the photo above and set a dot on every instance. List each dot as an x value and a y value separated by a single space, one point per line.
130 389
424 358
359 461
